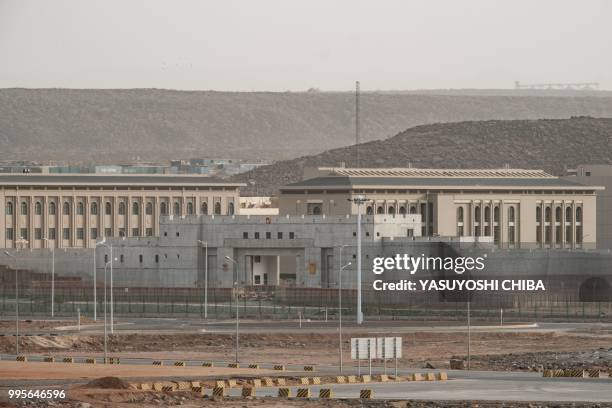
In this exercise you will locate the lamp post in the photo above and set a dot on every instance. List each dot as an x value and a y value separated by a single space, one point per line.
236 293
205 243
340 307
16 302
359 200
105 329
52 277
110 248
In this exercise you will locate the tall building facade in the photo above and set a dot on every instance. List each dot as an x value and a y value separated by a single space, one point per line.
75 210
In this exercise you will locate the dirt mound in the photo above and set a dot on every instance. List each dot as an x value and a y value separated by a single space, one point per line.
108 383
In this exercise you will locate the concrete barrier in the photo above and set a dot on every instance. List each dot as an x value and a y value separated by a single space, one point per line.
442 376
366 378
207 364
284 392
430 376
340 379
157 386
279 367
351 379
198 389
326 393
179 364
168 388
366 394
309 368
316 380
416 377
68 360
382 378
21 358
248 391
255 382
195 383
183 385
233 365
256 366
231 383
268 382
597 374
220 383
158 363
281 382
49 360
219 392
303 393
90 361
145 386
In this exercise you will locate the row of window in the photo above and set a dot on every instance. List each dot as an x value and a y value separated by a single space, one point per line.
80 209
487 214
558 236
279 235
66 233
558 212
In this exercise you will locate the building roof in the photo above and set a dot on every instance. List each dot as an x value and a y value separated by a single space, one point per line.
446 173
124 180
438 183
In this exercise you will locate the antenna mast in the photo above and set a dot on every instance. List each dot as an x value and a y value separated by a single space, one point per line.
357 120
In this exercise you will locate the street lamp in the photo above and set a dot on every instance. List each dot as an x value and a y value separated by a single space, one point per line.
359 200
340 306
52 276
16 302
110 247
110 262
205 243
236 293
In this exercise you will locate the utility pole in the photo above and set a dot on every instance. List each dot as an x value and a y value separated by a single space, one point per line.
359 200
357 91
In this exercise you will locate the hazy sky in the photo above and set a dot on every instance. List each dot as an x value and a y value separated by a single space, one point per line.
282 45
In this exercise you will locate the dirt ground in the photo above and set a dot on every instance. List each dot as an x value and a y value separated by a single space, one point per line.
498 351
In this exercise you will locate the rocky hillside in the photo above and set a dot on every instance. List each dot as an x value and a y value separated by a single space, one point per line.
549 144
114 125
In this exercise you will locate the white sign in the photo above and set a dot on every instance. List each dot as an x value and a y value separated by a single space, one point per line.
389 347
363 348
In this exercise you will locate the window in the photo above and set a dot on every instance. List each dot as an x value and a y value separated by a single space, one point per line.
313 209
51 234
93 208
477 230
477 214
568 214
460 215
108 209
547 234
511 214
121 258
460 231
156 258
80 233
163 209
122 232
391 210
80 208
369 210
257 235
140 258
108 232
178 234
380 210
292 235
52 208
511 233
558 214
177 209
189 208
9 234
149 232
24 208
268 235
122 208
105 258
37 233
402 210
8 209
66 209
230 209
547 214
496 234
538 214
496 214
37 208
578 234
487 214
135 208
578 217
568 234
66 233
204 208
24 233
94 233
135 232
245 235
149 209
558 234
279 235
218 208
539 234
412 209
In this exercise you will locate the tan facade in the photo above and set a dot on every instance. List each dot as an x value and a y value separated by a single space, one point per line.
73 211
511 207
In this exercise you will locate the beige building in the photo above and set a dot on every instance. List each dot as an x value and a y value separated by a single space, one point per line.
74 210
511 207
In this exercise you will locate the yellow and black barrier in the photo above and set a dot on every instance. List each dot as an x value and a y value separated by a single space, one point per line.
207 364
268 382
248 391
281 382
219 392
351 379
303 393
233 365
284 392
340 379
179 364
308 368
49 360
366 394
90 361
167 388
256 366
304 380
69 360
157 386
198 389
416 377
21 358
326 393
158 363
183 385
279 367
316 380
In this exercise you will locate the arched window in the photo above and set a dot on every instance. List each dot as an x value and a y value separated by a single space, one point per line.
538 214
121 208
163 209
412 209
108 209
24 208
80 208
66 208
218 208
204 208
510 214
135 208
558 214
316 210
391 210
93 208
487 214
402 210
380 210
496 214
460 214
38 208
149 209
369 210
189 208
477 214
579 214
9 209
230 209
568 214
177 209
52 208
547 214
